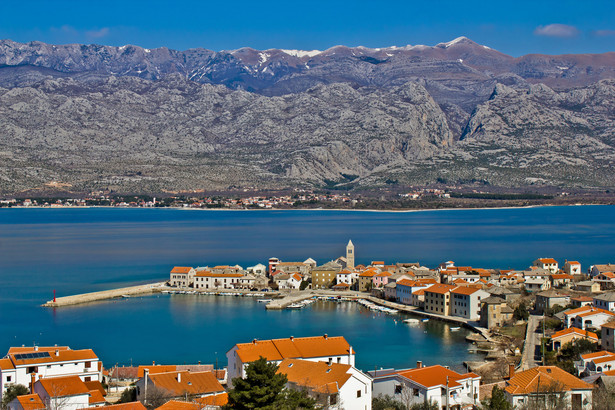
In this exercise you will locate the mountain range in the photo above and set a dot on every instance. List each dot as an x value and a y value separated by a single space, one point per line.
89 117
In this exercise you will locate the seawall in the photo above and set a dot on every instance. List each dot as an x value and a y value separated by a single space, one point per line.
106 294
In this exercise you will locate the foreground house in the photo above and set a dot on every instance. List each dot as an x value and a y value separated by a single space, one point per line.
541 384
436 384
178 384
66 393
592 363
24 365
317 349
26 402
333 385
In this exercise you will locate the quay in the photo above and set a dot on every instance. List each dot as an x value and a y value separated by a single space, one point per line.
106 294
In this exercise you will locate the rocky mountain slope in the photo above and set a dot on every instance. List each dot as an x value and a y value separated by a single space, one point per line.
132 119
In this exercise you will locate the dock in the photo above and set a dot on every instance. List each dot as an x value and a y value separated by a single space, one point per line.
279 304
106 294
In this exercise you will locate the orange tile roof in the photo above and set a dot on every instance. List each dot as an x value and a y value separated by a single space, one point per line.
578 310
6 364
379 263
297 347
604 359
576 331
63 386
465 290
594 355
547 260
297 277
32 349
368 274
419 292
220 275
62 356
96 397
385 274
544 378
440 288
189 382
181 269
561 276
30 402
317 376
609 275
427 281
154 369
135 405
432 376
220 399
596 311
583 299
179 405
96 385
610 325
407 282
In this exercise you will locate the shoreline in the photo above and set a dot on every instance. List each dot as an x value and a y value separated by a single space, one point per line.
311 209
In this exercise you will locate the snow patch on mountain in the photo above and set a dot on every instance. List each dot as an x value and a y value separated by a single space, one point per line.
302 53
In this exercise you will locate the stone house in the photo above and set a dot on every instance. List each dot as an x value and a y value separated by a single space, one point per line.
494 312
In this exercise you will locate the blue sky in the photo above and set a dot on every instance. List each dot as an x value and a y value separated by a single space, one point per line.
515 28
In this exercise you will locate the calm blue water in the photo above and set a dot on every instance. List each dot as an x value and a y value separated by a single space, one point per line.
78 250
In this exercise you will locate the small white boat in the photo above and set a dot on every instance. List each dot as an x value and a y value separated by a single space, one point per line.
264 300
425 320
454 329
412 322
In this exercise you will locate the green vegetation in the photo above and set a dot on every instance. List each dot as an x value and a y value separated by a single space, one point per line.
263 388
128 395
477 195
515 331
570 352
11 392
386 403
497 401
521 312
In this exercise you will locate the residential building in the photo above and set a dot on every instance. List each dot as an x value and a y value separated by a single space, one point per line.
258 269
178 384
27 402
605 301
504 293
318 349
380 279
572 268
605 279
288 281
534 386
226 269
559 339
597 269
390 291
594 318
324 276
537 284
366 279
437 299
608 336
597 362
549 264
294 267
494 312
208 280
182 276
23 365
346 276
588 286
436 384
561 280
547 299
333 385
65 393
581 301
465 302
406 288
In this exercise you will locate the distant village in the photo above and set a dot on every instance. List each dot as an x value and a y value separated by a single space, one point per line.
547 332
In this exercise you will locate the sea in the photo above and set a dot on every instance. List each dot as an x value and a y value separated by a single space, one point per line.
74 250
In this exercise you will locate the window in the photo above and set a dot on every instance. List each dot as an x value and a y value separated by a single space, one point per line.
415 392
358 393
87 379
398 388
32 369
8 379
333 399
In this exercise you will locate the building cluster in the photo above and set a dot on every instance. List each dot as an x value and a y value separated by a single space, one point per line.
322 366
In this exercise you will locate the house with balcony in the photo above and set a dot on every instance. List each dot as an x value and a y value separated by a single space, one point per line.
465 302
438 299
548 264
182 276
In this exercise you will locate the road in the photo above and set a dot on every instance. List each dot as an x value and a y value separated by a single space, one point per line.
532 344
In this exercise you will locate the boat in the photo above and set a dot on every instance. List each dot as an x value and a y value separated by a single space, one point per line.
424 320
454 329
412 322
264 300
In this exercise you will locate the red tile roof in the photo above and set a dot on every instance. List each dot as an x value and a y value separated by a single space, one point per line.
135 405
154 369
61 356
432 376
574 330
31 402
181 269
320 377
63 386
544 378
297 347
189 382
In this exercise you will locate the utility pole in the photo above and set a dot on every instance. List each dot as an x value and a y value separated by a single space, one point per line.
447 393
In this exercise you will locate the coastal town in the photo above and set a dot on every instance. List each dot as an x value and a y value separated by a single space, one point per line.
547 334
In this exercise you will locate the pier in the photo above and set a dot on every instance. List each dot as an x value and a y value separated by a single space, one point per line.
106 294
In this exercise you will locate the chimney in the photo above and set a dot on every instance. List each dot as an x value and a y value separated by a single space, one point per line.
32 381
153 363
35 348
326 336
291 338
57 352
179 377
419 364
145 377
254 341
511 371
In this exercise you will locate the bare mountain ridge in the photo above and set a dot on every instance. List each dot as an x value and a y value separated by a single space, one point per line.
139 120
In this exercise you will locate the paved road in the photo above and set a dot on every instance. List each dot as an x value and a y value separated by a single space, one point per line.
532 344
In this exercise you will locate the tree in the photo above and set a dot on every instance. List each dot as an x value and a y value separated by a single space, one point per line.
497 401
13 391
128 395
304 284
521 312
426 405
259 389
290 399
156 397
386 403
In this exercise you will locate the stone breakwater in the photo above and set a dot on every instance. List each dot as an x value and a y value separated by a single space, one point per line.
106 294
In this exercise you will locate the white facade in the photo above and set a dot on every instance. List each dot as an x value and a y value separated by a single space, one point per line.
217 280
572 268
585 399
405 292
605 301
594 320
467 305
82 363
